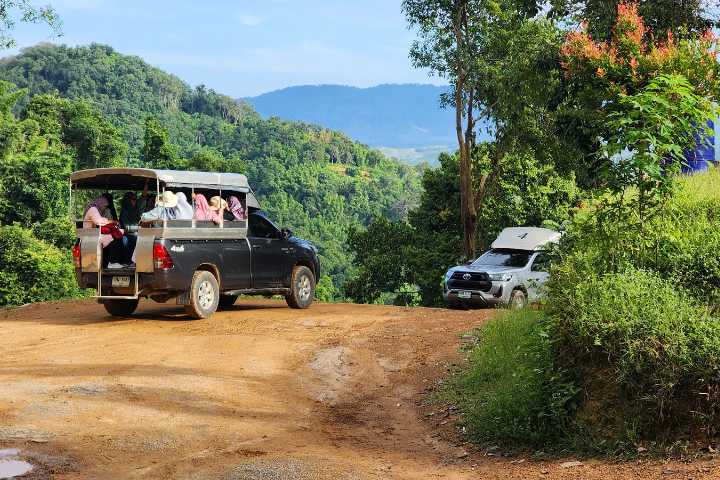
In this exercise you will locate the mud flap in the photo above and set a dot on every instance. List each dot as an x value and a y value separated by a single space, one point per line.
183 298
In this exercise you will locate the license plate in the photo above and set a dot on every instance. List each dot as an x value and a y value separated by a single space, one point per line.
465 294
120 281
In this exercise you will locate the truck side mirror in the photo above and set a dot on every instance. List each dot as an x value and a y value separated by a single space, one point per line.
286 233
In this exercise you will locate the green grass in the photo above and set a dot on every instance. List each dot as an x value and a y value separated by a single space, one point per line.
510 393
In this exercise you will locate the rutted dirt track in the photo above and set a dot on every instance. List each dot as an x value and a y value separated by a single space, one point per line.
256 392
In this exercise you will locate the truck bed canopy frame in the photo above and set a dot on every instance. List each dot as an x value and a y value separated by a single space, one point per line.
136 179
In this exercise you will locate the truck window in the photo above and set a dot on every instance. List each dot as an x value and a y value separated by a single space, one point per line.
261 228
541 263
503 258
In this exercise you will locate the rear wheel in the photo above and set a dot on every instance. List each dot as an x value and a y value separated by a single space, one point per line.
227 300
204 295
302 288
518 300
121 307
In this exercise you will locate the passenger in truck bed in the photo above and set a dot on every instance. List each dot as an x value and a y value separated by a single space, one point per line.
116 251
219 205
236 208
165 208
184 209
129 211
203 210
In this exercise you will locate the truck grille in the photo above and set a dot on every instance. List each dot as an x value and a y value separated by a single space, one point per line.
477 281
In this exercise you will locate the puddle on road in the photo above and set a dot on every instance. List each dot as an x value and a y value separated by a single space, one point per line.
13 468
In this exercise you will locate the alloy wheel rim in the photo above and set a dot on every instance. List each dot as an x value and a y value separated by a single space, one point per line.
304 288
206 295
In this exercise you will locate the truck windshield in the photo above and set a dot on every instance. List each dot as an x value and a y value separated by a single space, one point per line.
503 258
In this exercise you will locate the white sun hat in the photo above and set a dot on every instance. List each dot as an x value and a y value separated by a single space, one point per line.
167 200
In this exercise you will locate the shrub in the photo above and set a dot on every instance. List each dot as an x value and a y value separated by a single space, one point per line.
32 270
58 231
511 392
644 351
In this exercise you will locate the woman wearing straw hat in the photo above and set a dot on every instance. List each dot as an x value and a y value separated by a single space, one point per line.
165 208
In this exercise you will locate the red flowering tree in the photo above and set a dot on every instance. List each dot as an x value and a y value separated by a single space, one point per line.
626 64
646 100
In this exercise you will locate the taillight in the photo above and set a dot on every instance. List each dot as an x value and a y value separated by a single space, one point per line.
76 254
161 257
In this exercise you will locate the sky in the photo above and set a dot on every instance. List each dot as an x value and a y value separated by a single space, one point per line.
246 47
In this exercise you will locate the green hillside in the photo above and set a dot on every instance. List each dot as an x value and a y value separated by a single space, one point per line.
312 180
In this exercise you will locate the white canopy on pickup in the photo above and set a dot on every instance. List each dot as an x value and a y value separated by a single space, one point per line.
526 238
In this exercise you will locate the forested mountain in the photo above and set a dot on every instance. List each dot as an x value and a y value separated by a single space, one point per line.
406 118
315 181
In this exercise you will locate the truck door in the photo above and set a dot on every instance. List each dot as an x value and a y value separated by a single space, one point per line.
538 276
236 266
268 252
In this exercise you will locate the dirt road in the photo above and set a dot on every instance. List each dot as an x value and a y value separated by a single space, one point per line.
256 392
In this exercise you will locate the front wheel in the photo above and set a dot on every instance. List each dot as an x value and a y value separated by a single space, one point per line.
120 307
302 288
204 295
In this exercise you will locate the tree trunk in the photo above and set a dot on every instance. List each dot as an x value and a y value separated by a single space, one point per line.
465 136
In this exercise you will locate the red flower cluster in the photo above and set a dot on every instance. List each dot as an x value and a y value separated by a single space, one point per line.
632 56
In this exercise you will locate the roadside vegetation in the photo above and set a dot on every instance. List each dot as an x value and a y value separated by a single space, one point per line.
613 360
624 353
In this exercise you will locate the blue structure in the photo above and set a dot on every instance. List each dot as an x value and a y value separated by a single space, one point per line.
705 152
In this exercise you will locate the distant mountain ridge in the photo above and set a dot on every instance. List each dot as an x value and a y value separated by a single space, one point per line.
390 115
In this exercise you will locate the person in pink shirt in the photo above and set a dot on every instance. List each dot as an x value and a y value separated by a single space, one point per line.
114 251
203 210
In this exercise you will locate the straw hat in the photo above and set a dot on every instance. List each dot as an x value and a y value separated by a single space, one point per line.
167 200
217 203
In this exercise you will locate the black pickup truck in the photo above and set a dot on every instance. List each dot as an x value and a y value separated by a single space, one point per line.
202 264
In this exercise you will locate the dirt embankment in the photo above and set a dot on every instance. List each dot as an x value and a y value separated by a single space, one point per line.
256 392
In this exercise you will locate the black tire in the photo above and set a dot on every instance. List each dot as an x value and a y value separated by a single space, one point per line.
518 300
302 288
204 295
121 307
227 300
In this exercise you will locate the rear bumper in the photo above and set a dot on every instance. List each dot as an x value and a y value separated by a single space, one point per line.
148 283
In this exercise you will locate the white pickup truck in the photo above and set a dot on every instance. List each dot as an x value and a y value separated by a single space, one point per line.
511 273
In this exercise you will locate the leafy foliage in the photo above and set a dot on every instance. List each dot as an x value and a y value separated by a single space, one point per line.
651 133
23 10
38 153
635 316
645 353
32 270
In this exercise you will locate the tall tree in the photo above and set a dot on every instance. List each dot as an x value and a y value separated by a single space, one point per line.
25 11
449 44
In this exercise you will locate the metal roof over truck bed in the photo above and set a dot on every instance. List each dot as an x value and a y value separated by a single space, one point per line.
526 238
135 178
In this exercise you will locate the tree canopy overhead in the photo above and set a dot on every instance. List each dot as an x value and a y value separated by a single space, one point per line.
12 11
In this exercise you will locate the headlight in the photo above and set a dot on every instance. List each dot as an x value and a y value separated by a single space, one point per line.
501 277
448 274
